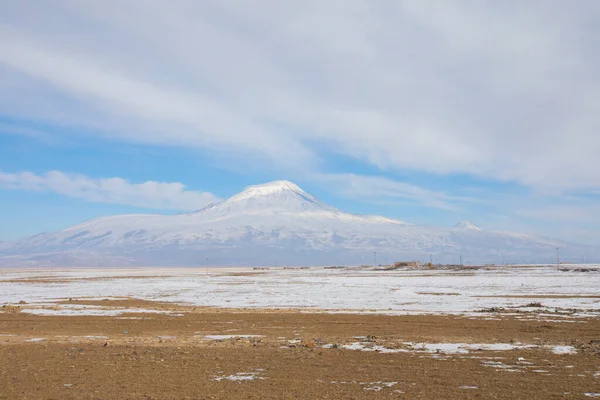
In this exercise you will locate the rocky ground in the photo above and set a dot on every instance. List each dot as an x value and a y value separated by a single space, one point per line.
164 351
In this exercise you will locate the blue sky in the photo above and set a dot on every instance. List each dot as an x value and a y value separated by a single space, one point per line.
427 111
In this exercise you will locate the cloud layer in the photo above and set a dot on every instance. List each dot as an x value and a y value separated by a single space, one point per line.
383 190
504 91
502 94
150 194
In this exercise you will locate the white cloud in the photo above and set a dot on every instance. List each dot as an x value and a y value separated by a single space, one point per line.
500 90
563 212
149 194
380 189
182 118
574 218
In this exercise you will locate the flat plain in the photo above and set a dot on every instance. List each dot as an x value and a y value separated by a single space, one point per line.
228 333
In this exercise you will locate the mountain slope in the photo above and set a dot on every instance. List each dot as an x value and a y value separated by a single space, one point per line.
264 223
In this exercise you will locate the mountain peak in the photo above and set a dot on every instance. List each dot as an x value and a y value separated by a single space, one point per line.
467 226
272 187
275 188
270 197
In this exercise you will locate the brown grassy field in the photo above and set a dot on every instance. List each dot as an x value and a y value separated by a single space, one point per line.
293 356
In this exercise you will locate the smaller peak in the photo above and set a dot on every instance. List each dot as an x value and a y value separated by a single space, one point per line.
467 225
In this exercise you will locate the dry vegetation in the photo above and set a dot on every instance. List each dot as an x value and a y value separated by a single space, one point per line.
150 356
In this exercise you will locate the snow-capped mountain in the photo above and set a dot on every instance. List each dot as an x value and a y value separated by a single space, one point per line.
272 223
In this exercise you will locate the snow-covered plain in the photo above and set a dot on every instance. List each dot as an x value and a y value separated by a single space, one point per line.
318 289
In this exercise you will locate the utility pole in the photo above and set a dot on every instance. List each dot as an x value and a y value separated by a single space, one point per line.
461 260
375 265
557 258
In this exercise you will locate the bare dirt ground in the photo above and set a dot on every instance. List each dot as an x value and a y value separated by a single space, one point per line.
204 353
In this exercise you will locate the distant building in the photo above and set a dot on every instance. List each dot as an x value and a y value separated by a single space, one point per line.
407 264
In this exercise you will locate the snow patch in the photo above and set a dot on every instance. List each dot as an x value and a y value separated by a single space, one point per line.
241 376
564 350
366 347
225 337
502 366
464 348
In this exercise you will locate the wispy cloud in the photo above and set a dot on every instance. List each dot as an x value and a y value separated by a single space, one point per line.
503 91
572 217
579 211
380 189
150 194
179 117
12 129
